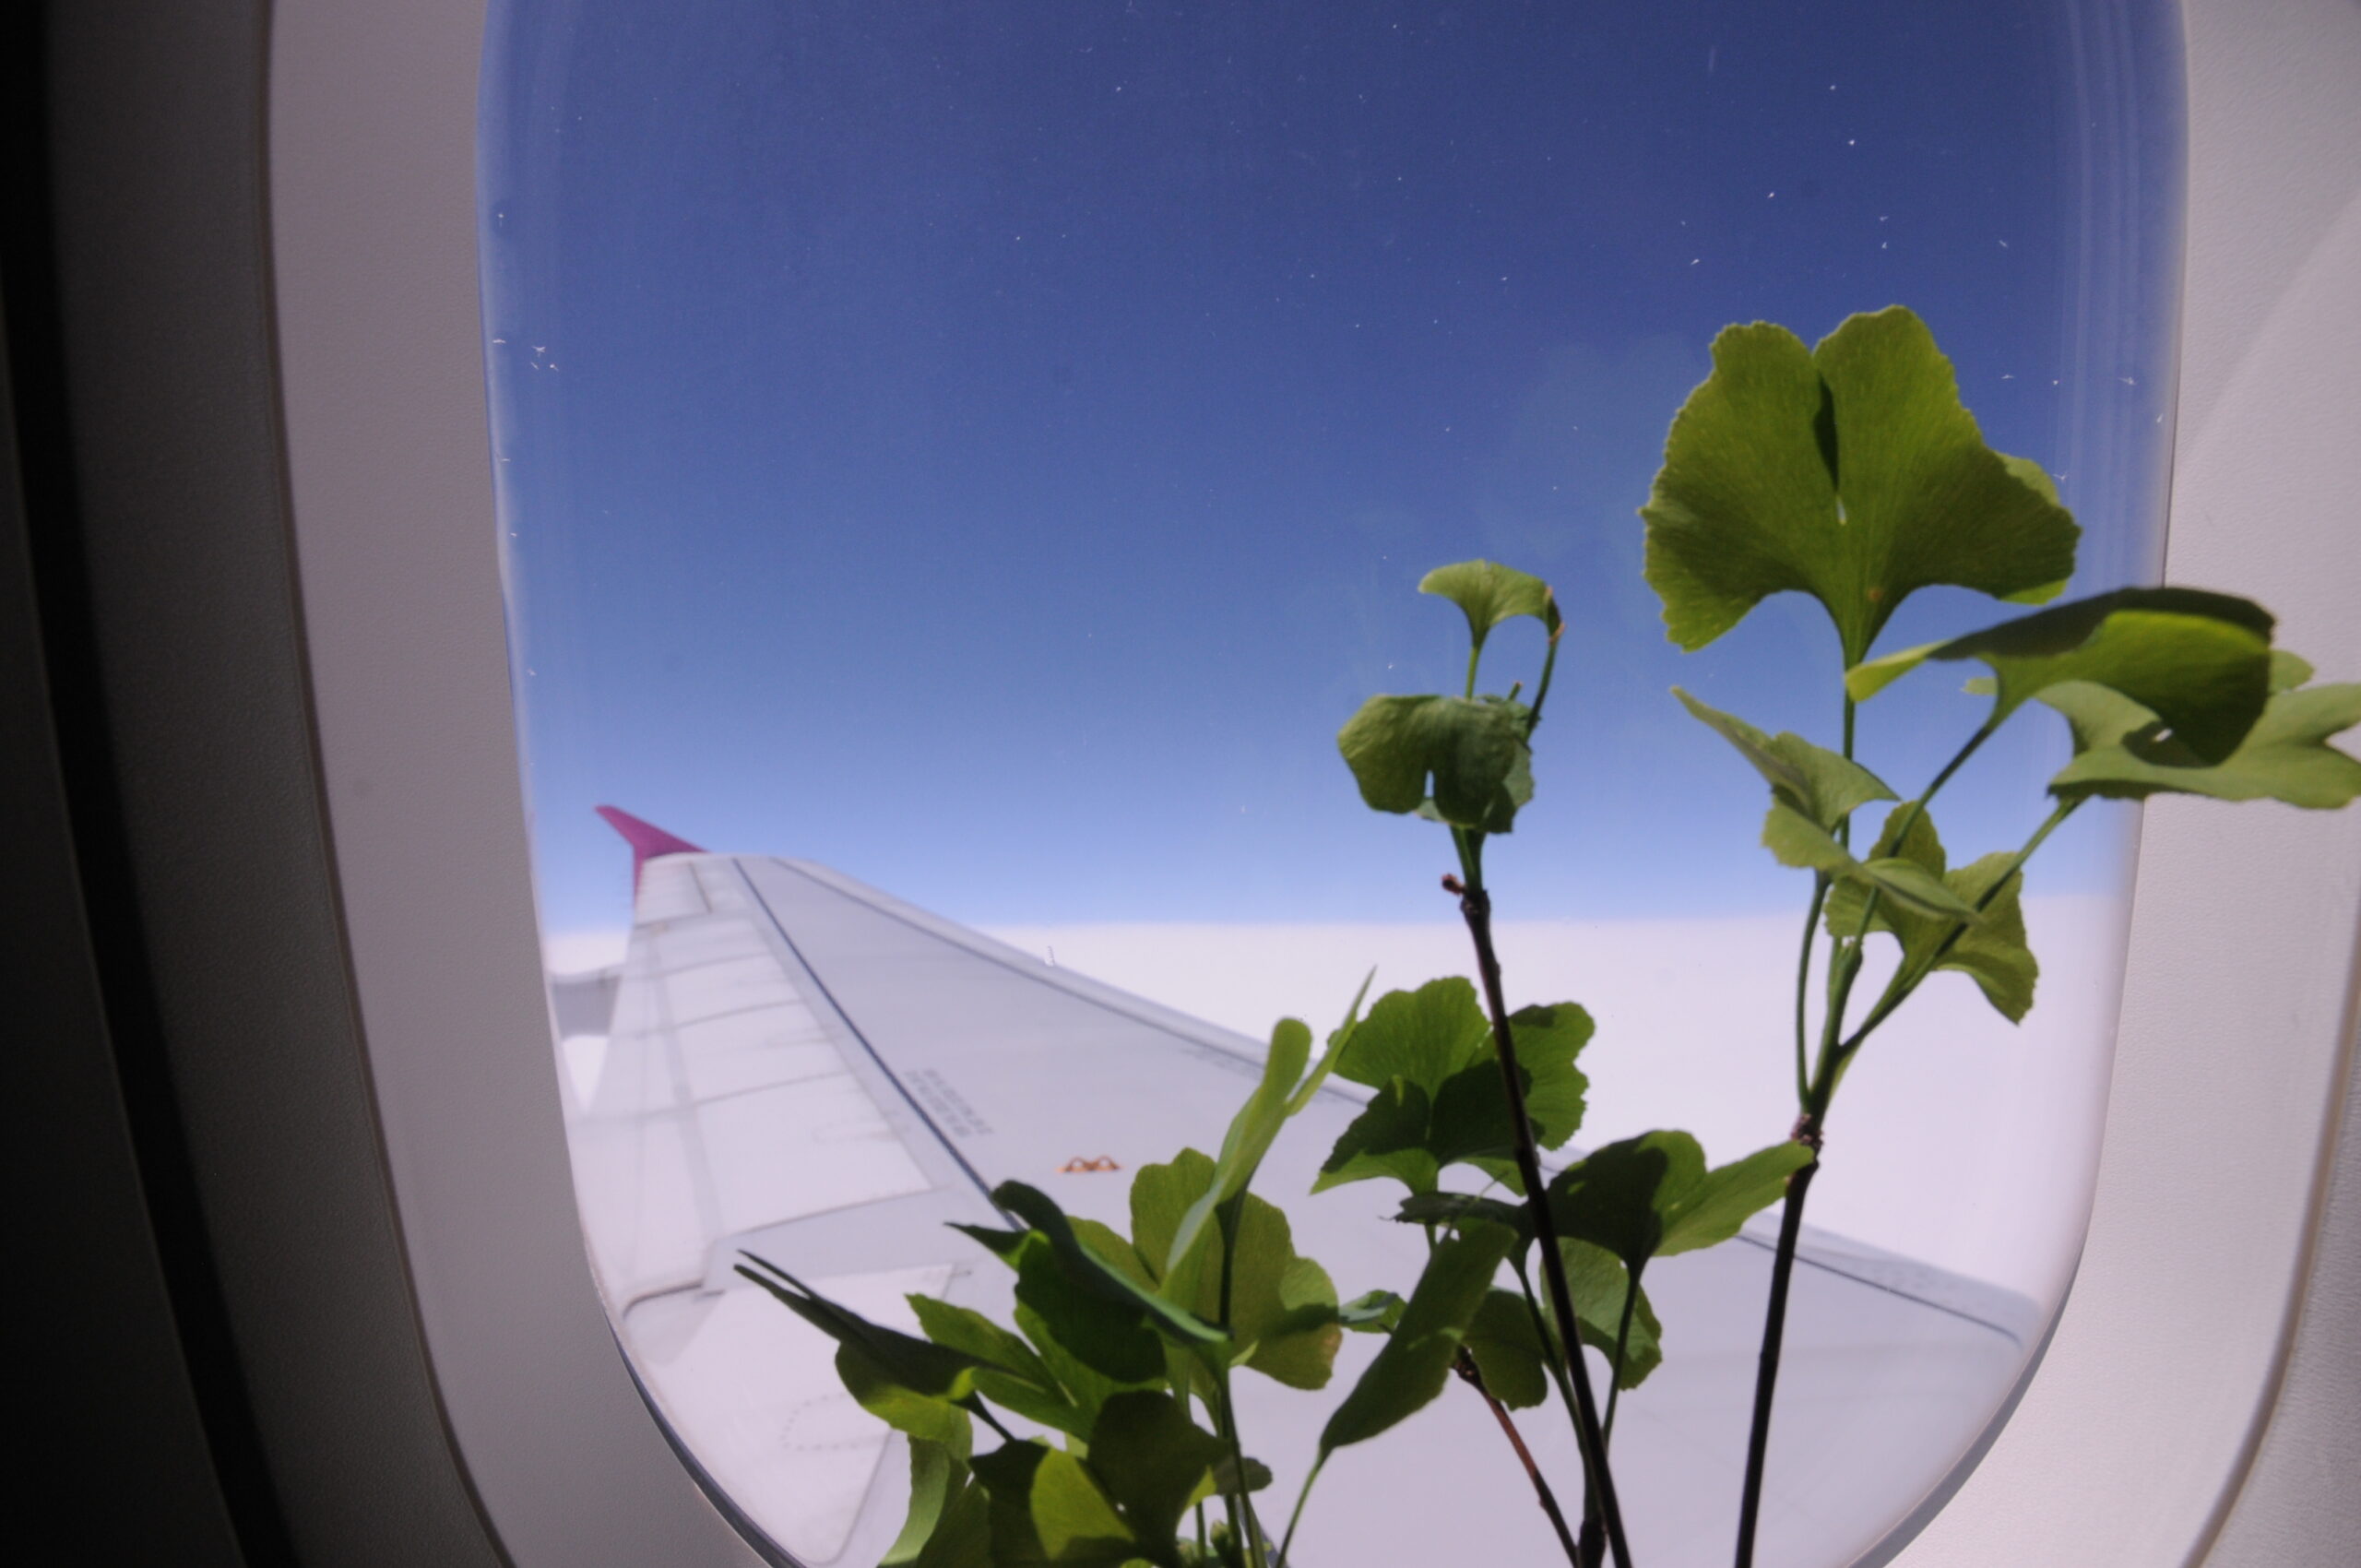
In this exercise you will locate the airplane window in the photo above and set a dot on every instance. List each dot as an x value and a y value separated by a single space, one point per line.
958 467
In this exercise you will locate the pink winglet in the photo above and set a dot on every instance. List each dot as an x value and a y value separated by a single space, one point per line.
647 841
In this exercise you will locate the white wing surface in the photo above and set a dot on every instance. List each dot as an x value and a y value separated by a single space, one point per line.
804 1068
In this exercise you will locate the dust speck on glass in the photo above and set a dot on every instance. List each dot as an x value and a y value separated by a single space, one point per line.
980 454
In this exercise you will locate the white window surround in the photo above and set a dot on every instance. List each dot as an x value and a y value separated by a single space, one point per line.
2134 1439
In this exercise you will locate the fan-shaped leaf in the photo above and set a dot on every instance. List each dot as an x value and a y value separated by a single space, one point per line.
948 1524
2124 752
1991 951
1463 762
1489 593
1848 471
2199 662
1410 1369
1597 1279
1283 1305
1652 1195
1440 1100
1152 1461
1823 786
1798 841
1508 1352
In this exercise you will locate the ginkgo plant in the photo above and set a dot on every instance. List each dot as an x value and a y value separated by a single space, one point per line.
1848 471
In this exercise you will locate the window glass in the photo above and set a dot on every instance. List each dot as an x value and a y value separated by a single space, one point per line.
982 454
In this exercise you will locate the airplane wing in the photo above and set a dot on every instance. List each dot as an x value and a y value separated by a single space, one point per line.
804 1068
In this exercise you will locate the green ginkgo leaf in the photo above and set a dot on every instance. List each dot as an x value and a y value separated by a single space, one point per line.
934 1371
1281 1304
1463 762
1048 1511
2198 661
1848 471
1489 593
1508 1352
948 1524
1595 1278
1441 1098
1651 1196
1597 1281
1823 786
1411 1368
1992 951
1089 1268
1152 1461
1013 1375
1797 840
2124 752
1251 1134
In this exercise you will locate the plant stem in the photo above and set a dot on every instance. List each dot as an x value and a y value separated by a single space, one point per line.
1551 1350
974 1406
1474 656
1837 1051
1301 1499
1541 690
1593 1545
1242 1514
1803 986
1473 1376
1622 1343
1905 983
1476 907
1239 1504
1766 1374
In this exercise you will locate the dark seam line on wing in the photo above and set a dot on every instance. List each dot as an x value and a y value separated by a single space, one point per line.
854 1029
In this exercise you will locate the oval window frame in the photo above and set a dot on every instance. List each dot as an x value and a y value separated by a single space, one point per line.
372 165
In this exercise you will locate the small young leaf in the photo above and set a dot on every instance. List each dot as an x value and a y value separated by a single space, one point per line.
1549 1037
948 1524
1338 1039
1848 471
1714 1208
1597 1279
1796 841
930 1418
933 1370
1508 1352
937 1475
1374 1311
972 1334
1992 951
1111 1335
1475 754
1089 1270
1410 1369
1387 1139
1013 1377
2199 662
1281 1304
1047 1510
1823 786
1651 1196
1452 1209
1152 1460
2123 754
1251 1134
1228 1475
1441 1100
1424 1036
1489 593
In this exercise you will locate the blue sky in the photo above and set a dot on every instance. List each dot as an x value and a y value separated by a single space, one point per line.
991 449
